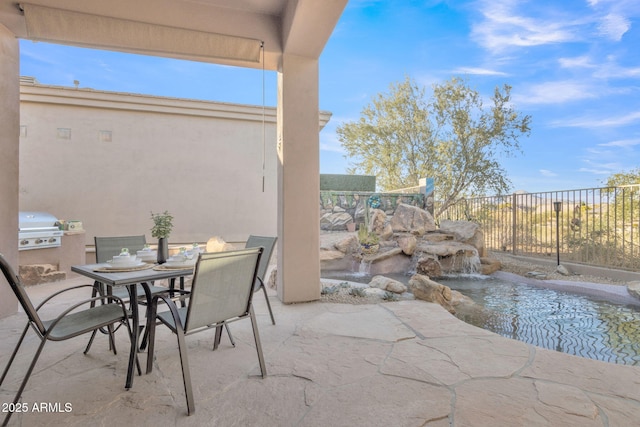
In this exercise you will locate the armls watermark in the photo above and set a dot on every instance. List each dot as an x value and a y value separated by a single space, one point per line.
48 407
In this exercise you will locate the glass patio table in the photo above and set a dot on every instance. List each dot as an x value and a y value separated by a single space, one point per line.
130 279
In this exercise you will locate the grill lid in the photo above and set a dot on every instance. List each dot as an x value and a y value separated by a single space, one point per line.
37 221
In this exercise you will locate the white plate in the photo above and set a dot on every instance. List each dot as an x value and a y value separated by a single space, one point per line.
110 266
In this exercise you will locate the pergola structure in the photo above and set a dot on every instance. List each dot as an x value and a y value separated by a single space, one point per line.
292 33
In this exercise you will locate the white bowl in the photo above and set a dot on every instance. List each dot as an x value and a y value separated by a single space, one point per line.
147 254
181 260
124 260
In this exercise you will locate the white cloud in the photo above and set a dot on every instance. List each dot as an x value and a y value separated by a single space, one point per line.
556 93
513 23
547 173
614 26
604 162
622 143
329 141
612 70
576 62
606 68
590 122
600 167
597 171
479 71
504 27
614 16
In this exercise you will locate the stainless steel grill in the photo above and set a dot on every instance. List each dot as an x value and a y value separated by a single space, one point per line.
38 230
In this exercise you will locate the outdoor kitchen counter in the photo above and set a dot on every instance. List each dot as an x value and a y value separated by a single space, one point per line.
71 252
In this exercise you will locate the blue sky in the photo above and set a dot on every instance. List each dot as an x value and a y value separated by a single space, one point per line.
574 66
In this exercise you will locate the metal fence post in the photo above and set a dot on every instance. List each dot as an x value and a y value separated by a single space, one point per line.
557 207
514 224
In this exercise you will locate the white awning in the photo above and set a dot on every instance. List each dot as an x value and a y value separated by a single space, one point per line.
82 29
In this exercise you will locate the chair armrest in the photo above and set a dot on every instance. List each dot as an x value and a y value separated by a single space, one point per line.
81 303
173 308
172 292
61 292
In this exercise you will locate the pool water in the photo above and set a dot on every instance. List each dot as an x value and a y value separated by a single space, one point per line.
574 324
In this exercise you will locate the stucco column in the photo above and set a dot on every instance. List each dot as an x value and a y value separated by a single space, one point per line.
9 160
298 180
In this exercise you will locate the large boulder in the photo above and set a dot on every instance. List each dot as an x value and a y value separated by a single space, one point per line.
411 219
377 220
387 284
463 230
408 244
386 233
447 248
428 266
337 250
634 289
391 260
427 290
459 299
335 221
489 265
330 255
348 245
437 237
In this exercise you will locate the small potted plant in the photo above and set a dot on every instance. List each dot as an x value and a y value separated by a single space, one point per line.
368 240
162 226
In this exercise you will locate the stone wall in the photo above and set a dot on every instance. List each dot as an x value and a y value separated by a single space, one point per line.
340 208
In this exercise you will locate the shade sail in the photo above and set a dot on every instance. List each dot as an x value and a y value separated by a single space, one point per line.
82 29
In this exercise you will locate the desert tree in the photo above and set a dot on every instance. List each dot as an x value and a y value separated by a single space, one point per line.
452 137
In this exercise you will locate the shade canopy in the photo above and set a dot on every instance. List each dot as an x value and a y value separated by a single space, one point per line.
83 29
228 32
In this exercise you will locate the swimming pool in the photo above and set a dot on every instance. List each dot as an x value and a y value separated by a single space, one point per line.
586 326
581 325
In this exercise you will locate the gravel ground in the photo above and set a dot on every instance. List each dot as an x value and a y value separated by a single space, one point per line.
343 295
522 268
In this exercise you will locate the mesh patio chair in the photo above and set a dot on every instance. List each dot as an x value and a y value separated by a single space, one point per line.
106 249
221 292
268 243
72 322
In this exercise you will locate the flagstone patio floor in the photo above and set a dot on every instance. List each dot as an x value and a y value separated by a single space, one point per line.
407 363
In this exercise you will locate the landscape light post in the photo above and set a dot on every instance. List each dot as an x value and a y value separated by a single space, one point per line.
557 206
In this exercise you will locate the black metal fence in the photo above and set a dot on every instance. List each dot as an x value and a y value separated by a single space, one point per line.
597 226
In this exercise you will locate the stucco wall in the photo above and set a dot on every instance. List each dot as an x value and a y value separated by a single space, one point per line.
201 161
9 107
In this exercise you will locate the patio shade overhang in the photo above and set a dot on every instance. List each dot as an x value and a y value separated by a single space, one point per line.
105 32
227 32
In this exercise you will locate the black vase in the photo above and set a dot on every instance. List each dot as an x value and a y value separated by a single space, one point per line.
163 250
